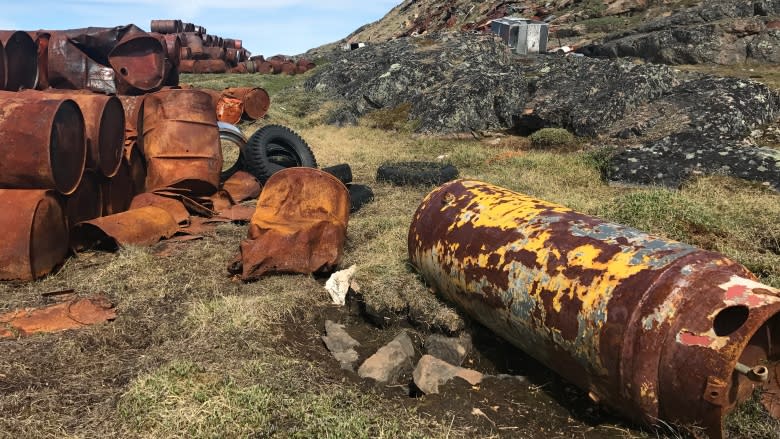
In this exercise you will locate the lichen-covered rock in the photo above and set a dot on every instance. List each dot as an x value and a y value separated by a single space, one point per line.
722 32
470 83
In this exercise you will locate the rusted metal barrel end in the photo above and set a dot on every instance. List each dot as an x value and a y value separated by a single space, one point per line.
21 59
111 140
35 238
140 61
3 71
651 327
44 142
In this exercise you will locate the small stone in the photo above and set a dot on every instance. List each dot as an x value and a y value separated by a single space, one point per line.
387 364
453 350
340 344
431 373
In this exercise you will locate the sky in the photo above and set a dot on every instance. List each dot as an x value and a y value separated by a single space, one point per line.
266 27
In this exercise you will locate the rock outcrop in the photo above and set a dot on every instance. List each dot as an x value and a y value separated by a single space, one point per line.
680 124
720 32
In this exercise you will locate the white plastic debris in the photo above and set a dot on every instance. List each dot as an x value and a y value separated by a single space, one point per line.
338 285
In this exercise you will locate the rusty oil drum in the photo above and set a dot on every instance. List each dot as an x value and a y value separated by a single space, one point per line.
35 237
651 327
44 144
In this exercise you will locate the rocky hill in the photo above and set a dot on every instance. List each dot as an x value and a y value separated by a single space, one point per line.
663 31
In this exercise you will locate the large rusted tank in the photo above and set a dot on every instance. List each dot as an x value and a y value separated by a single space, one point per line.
656 329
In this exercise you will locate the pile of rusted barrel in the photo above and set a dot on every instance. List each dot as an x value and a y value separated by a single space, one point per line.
116 60
199 51
274 65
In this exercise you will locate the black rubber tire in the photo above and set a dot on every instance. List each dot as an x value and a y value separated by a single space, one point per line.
359 196
273 148
416 173
341 171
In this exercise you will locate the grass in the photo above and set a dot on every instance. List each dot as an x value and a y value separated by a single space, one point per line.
196 354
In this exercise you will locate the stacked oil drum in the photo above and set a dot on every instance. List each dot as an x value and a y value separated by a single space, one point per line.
74 107
198 51
277 64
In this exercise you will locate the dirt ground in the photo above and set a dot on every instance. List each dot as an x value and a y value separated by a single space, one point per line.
196 353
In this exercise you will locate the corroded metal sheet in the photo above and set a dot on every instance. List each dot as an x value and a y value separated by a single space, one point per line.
651 327
74 314
242 186
173 206
35 238
43 142
299 226
181 141
143 226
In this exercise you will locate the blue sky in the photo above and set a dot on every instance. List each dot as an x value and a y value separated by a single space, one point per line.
266 27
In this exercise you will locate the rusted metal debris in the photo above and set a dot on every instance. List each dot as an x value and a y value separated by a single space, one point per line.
43 146
73 314
236 103
143 226
299 226
21 60
654 328
35 237
173 206
181 141
139 59
242 186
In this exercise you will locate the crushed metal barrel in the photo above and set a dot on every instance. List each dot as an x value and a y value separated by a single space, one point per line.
35 237
143 226
656 329
44 145
74 314
299 226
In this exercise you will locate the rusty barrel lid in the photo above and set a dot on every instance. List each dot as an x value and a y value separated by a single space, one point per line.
35 236
139 60
21 60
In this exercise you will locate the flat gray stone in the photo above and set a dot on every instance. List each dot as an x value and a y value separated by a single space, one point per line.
340 344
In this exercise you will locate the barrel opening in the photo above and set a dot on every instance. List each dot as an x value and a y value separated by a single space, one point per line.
730 319
68 148
112 137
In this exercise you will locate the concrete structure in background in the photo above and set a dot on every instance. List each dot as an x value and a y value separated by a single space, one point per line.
523 35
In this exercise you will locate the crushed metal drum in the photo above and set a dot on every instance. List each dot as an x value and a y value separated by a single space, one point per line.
71 68
143 227
21 60
44 144
656 329
35 237
299 226
180 141
74 314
